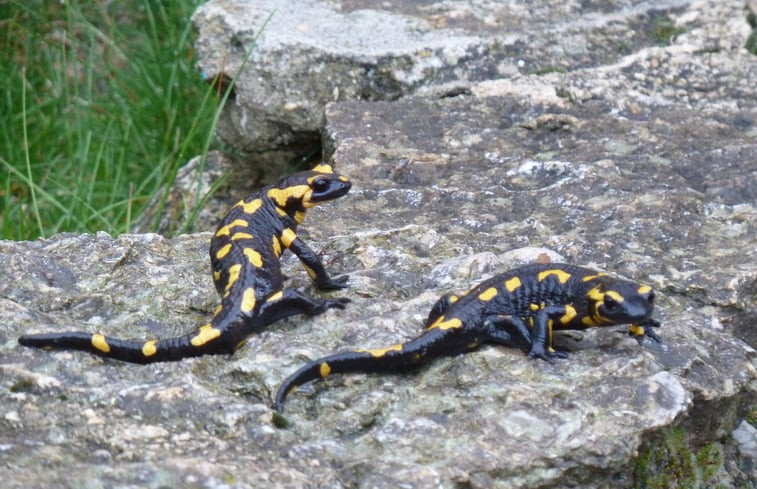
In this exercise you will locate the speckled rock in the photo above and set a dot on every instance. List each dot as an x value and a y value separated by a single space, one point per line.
311 52
643 163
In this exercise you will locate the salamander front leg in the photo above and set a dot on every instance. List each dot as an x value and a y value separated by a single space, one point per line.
312 263
541 345
642 330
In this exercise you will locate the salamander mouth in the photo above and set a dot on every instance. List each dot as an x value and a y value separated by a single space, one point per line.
343 189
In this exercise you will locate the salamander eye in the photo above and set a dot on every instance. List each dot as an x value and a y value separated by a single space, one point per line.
610 303
320 184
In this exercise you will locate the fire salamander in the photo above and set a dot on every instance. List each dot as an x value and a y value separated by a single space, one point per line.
518 308
244 253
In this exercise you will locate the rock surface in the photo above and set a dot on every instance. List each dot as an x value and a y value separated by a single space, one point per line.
641 160
311 52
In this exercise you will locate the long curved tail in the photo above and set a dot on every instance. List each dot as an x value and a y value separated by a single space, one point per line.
339 363
206 340
397 358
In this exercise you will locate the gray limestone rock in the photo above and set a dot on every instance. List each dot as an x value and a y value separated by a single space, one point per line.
640 160
311 52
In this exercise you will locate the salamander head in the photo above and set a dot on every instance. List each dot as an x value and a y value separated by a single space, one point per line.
305 189
325 185
616 301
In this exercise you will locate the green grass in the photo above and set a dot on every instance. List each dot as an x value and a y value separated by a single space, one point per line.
100 104
664 30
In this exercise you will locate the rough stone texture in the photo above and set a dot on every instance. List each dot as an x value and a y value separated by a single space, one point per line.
642 161
311 52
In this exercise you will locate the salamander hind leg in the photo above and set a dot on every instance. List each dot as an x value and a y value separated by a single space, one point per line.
291 302
440 307
506 330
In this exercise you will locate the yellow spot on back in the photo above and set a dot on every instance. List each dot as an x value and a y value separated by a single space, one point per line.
570 313
512 284
249 207
276 246
442 323
218 310
99 342
223 251
299 216
380 352
323 168
275 296
216 276
342 178
287 236
241 236
205 334
324 370
592 277
534 307
149 349
453 298
643 289
281 212
282 195
248 300
226 230
488 294
253 256
233 275
561 275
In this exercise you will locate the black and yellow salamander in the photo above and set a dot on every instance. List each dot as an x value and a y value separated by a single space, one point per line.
244 254
518 308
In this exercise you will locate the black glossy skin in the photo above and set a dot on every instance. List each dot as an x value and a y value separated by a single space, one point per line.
244 255
519 308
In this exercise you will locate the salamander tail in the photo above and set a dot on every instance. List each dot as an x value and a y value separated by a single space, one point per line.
133 351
